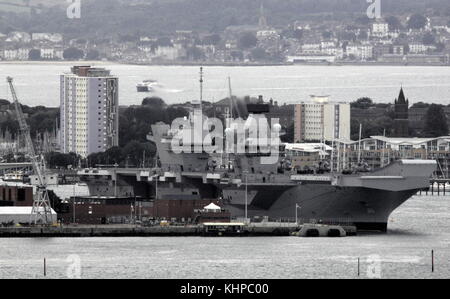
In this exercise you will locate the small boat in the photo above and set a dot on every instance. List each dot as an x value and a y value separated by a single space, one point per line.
146 86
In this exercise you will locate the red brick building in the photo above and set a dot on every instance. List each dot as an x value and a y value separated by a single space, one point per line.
93 210
20 196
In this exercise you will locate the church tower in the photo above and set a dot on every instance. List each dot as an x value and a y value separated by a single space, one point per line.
401 119
262 17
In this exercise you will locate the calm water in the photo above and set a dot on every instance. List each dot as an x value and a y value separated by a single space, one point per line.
38 83
419 226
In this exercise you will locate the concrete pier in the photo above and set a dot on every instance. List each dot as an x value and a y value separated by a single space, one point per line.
135 231
98 231
83 231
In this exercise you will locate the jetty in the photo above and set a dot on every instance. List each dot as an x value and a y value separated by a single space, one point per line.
200 230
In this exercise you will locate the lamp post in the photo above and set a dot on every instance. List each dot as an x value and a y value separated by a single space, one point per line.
156 187
296 215
74 219
246 195
73 204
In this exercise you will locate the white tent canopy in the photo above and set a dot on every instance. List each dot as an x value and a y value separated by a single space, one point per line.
20 214
212 207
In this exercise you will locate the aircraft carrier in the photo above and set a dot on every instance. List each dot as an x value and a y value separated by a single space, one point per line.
249 189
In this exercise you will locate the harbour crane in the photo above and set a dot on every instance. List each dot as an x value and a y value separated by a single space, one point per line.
41 212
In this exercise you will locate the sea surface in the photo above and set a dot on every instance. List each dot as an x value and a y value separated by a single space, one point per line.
38 83
422 224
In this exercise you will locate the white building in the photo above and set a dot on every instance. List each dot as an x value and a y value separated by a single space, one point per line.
420 48
321 120
311 49
10 54
16 37
51 37
23 54
47 53
167 53
19 215
380 29
59 53
89 110
262 34
337 52
360 52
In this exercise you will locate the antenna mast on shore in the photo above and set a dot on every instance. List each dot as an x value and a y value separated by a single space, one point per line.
201 88
231 97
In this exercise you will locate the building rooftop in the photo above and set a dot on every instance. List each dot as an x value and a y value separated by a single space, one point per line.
307 147
88 71
406 140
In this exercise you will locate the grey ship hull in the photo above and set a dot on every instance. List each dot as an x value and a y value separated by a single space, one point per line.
368 209
365 200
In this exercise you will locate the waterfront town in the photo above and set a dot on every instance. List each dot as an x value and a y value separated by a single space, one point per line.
414 39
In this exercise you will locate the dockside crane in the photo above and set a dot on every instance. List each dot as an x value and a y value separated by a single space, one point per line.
41 211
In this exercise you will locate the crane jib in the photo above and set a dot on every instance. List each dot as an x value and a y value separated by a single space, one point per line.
41 212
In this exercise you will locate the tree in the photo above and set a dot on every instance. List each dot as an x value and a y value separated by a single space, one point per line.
73 54
60 160
420 105
93 55
362 103
327 34
298 34
195 53
4 102
42 120
377 126
237 55
133 152
34 54
435 122
289 136
417 21
81 41
364 20
247 40
154 102
259 54
394 23
363 35
428 39
213 39
440 47
164 42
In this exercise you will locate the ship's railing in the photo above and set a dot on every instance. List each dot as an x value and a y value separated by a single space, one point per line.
272 224
327 221
288 222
